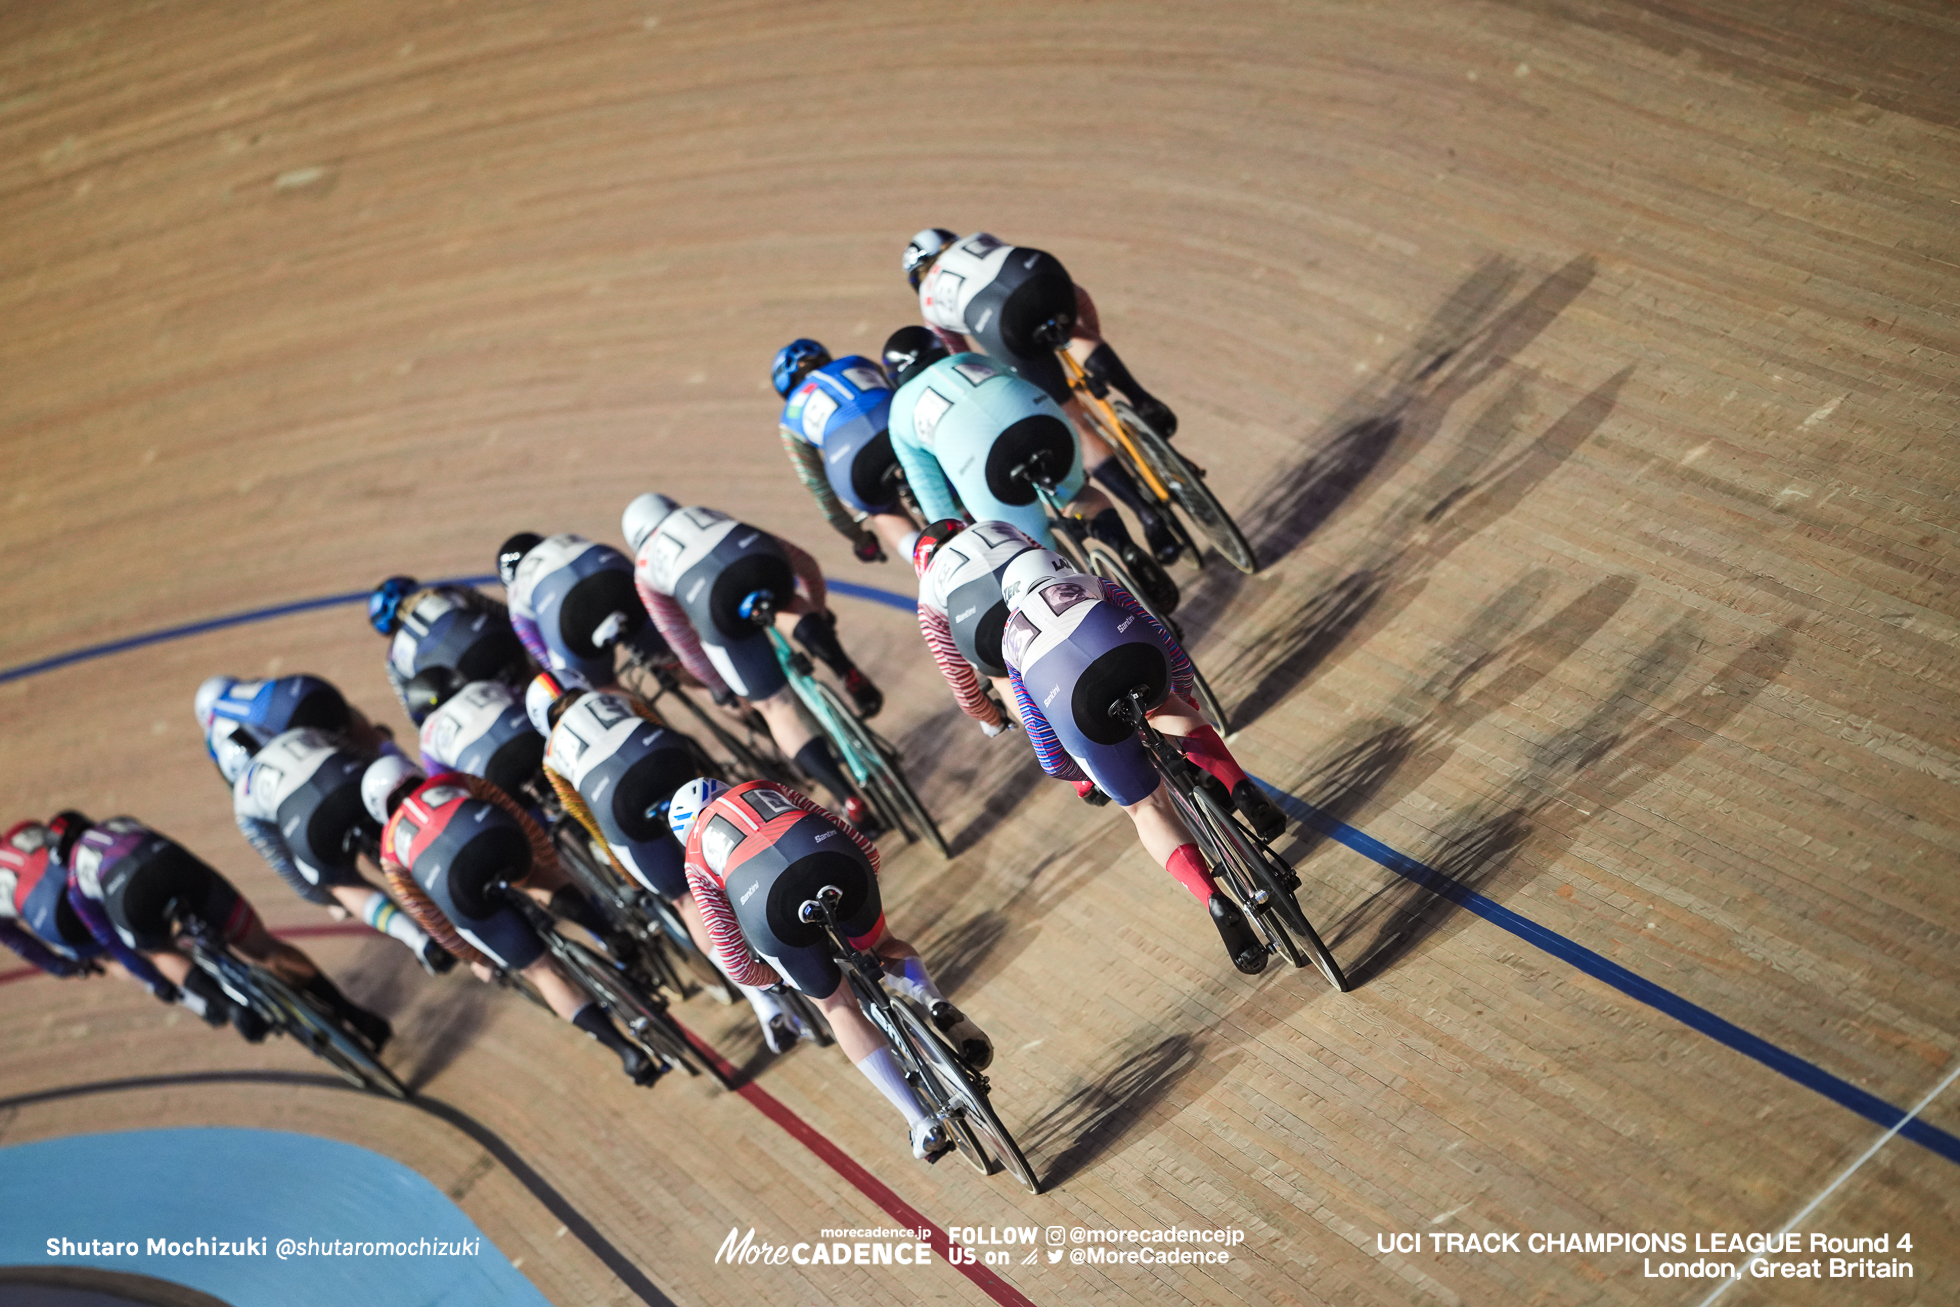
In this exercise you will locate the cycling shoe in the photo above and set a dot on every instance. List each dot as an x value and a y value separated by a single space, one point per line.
1264 816
975 1049
1248 954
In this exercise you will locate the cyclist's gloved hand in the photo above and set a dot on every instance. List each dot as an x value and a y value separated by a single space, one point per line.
993 729
166 993
867 550
724 697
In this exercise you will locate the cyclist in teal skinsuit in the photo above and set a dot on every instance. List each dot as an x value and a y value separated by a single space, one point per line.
961 424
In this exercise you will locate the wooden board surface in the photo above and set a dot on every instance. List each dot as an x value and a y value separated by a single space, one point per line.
1586 371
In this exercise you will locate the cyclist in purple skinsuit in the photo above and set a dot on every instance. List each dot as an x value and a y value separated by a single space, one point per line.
1074 645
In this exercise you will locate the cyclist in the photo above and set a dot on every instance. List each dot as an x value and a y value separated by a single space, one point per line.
297 800
695 567
479 727
235 715
755 853
962 613
833 429
615 766
36 920
134 888
1076 644
572 601
446 844
962 424
444 626
978 294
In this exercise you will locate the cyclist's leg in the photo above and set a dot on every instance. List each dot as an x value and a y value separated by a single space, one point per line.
1005 689
811 752
896 532
1202 744
906 972
366 903
576 1006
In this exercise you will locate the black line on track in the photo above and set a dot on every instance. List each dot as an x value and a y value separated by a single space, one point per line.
541 1189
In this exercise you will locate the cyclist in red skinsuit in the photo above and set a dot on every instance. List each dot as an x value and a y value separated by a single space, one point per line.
755 854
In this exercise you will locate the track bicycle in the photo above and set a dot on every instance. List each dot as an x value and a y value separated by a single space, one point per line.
636 1007
1092 557
871 759
289 1011
1170 479
750 756
955 1094
1243 865
668 956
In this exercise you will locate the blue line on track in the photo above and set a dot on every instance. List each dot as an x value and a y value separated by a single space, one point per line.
199 628
1693 1015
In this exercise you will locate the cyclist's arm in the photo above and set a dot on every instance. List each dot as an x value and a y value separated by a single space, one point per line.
679 633
1054 758
807 459
397 681
433 763
725 933
575 805
266 837
973 700
805 802
1087 325
532 638
1180 661
421 907
928 481
33 952
807 571
96 918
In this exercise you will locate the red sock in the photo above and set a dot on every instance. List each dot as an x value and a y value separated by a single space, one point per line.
1203 747
1189 868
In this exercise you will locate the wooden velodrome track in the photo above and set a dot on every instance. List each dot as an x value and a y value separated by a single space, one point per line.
1585 370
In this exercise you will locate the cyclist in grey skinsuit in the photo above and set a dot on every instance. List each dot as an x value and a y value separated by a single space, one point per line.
694 567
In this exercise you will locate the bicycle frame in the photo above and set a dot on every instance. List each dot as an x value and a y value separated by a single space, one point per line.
1112 426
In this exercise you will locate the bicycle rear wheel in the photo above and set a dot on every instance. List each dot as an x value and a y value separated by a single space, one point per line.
1108 566
1188 488
323 1036
1281 880
874 765
979 1127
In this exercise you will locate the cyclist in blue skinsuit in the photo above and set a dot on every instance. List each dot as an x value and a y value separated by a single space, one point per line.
263 709
833 429
961 424
1074 645
572 601
445 626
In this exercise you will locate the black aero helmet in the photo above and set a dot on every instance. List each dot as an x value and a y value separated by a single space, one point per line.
429 689
66 827
909 349
511 552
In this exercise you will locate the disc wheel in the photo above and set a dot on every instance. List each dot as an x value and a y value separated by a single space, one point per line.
977 1129
1188 488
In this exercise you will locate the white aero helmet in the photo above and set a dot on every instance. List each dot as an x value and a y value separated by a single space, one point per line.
208 693
383 778
923 249
643 517
1027 569
547 688
687 803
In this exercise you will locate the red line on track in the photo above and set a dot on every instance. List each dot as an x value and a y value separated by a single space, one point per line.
866 1183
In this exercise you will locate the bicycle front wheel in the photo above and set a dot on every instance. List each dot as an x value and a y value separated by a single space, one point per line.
1188 488
321 1032
966 1092
646 1018
874 765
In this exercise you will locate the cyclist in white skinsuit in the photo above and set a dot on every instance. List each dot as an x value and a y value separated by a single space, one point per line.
694 567
297 801
615 768
962 613
981 294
